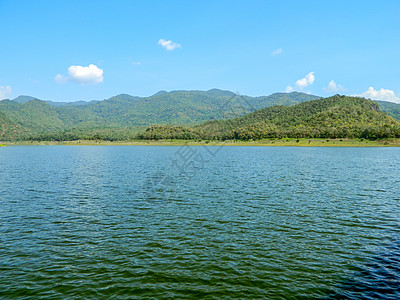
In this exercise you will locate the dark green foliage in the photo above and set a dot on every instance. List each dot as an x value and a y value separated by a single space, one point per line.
334 117
158 132
106 134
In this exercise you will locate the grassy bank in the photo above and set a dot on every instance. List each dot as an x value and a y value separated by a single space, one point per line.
276 142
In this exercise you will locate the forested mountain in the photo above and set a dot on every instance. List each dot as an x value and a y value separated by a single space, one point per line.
28 119
23 99
121 117
333 117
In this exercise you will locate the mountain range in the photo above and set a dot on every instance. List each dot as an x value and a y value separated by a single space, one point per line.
333 117
123 116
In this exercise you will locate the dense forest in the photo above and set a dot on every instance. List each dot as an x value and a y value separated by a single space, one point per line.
123 116
333 117
213 115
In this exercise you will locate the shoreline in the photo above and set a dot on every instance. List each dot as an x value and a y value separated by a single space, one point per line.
287 142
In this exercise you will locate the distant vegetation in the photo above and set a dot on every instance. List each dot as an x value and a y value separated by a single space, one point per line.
392 109
333 117
123 116
213 115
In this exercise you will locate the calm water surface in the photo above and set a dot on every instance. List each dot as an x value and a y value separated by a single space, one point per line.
161 222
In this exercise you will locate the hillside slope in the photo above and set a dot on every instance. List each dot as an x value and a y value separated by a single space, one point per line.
27 119
333 117
392 109
177 107
8 129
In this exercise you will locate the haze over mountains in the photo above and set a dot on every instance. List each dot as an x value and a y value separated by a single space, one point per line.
123 116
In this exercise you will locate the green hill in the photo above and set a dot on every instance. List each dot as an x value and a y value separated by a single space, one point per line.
23 99
333 117
392 109
22 120
122 116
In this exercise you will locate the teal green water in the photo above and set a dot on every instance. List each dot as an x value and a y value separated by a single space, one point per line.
246 222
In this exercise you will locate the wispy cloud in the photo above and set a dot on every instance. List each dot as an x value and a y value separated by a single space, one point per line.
382 94
277 52
169 45
136 63
5 91
83 75
334 87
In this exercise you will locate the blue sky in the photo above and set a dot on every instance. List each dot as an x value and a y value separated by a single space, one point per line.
85 50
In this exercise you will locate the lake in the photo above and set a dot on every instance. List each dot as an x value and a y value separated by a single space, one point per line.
199 222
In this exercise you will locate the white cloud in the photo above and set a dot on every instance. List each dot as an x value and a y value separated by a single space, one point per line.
382 94
289 89
302 83
136 63
169 45
83 75
306 81
5 91
277 51
334 87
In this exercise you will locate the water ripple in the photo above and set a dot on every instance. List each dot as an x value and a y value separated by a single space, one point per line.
255 222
